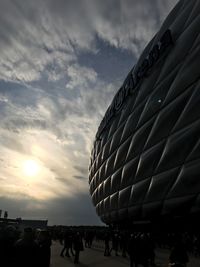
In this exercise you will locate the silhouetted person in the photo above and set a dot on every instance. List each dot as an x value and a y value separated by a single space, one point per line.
44 242
8 237
65 245
196 245
89 236
151 249
86 237
178 254
115 243
134 251
78 246
145 250
26 250
123 243
68 240
107 244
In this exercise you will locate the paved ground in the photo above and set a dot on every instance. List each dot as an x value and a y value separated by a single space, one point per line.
94 258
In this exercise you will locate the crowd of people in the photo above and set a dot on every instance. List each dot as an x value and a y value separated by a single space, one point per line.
139 248
72 243
33 247
24 248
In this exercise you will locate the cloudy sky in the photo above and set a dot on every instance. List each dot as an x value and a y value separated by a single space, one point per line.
61 63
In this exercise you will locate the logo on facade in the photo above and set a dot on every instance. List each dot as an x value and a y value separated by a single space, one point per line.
134 77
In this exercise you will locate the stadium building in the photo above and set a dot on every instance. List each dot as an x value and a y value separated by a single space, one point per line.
145 163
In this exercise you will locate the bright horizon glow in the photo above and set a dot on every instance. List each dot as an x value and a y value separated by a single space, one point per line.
30 168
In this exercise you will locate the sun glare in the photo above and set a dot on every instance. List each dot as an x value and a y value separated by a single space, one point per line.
31 168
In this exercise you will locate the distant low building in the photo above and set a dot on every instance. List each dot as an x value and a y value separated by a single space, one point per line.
22 223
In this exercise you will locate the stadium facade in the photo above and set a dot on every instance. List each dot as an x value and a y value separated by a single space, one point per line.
145 163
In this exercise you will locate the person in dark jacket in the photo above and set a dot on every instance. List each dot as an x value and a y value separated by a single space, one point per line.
178 256
115 243
78 246
44 242
8 237
134 250
66 245
107 244
26 250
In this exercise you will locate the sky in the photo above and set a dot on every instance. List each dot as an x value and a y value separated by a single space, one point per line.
61 63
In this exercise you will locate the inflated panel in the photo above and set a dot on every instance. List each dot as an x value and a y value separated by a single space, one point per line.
145 162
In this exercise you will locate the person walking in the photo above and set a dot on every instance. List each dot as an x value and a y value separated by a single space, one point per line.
178 256
78 246
66 245
107 244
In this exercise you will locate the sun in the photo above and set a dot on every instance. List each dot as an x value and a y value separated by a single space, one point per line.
30 168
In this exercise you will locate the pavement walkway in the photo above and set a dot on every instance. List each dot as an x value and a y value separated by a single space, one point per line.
93 257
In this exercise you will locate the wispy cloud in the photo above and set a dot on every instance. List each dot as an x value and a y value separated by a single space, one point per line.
48 34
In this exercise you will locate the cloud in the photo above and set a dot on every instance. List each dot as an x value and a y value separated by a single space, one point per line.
80 76
130 24
55 131
27 37
81 169
47 36
80 177
51 101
